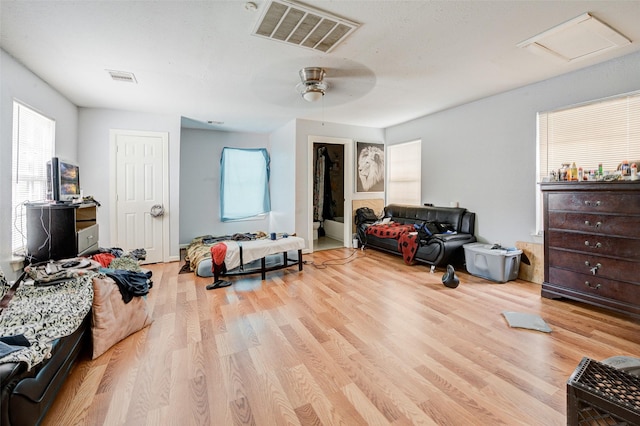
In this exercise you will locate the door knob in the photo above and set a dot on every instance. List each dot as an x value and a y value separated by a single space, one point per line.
157 210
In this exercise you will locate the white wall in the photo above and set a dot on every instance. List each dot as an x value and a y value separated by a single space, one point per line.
17 82
483 154
94 155
283 179
306 128
200 154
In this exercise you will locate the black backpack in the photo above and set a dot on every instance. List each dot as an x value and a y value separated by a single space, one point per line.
365 215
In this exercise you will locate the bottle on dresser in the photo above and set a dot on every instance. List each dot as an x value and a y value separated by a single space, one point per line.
573 173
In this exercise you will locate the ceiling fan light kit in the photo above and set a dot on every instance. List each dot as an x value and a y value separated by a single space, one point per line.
312 86
313 95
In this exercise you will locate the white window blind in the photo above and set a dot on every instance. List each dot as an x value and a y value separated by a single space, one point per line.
404 173
33 144
606 131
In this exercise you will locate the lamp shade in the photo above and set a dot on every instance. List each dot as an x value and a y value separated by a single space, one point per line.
313 95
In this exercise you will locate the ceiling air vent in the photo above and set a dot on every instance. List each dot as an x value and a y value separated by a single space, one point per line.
303 26
124 76
578 38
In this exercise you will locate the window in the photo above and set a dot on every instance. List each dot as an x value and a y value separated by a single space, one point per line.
244 183
405 173
33 142
604 132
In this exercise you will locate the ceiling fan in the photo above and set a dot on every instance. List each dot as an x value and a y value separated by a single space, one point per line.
292 80
312 85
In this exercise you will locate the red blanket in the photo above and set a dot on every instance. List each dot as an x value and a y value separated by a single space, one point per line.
405 234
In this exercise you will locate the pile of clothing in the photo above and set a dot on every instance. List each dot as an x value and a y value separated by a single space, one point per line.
122 260
125 270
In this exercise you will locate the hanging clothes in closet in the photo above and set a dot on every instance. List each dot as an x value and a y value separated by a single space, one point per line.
327 205
318 186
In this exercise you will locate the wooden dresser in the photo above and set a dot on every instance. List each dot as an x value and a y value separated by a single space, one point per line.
592 243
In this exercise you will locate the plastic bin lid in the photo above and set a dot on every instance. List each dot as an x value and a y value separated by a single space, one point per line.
489 249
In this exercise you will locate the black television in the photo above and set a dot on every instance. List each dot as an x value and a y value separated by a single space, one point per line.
63 180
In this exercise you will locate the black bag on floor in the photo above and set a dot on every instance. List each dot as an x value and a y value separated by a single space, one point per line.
365 215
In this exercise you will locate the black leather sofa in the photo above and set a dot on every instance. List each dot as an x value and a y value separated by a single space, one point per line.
435 250
28 394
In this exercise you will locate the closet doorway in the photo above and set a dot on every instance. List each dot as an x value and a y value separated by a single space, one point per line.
330 190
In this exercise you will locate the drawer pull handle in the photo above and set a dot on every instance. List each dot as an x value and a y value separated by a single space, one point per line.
90 237
596 245
597 225
591 203
595 287
593 269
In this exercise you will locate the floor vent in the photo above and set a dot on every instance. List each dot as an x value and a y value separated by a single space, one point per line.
303 26
123 76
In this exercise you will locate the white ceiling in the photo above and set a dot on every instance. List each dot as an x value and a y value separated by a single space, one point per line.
198 59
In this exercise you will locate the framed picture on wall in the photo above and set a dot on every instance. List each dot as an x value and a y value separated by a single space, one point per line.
369 167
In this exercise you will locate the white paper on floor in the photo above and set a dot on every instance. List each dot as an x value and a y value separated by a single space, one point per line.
529 321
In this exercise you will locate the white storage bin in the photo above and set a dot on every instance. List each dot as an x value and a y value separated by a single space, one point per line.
493 264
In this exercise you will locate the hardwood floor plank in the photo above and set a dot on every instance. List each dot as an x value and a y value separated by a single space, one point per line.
219 407
329 381
356 338
242 414
364 405
274 396
301 389
307 415
275 349
455 405
395 405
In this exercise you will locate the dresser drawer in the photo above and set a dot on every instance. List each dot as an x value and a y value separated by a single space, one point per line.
627 248
623 226
622 202
87 238
601 267
595 286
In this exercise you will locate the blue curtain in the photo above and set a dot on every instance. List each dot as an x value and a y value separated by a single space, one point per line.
244 183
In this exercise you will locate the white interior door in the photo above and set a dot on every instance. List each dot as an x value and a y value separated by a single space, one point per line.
141 192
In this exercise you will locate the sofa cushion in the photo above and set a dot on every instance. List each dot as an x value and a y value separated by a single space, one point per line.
419 214
112 319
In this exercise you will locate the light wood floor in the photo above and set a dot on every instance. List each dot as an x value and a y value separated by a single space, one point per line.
367 340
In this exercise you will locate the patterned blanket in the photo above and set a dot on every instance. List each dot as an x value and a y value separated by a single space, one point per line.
197 251
405 234
43 314
199 248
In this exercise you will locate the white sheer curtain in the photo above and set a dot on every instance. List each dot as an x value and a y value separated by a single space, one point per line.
244 183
